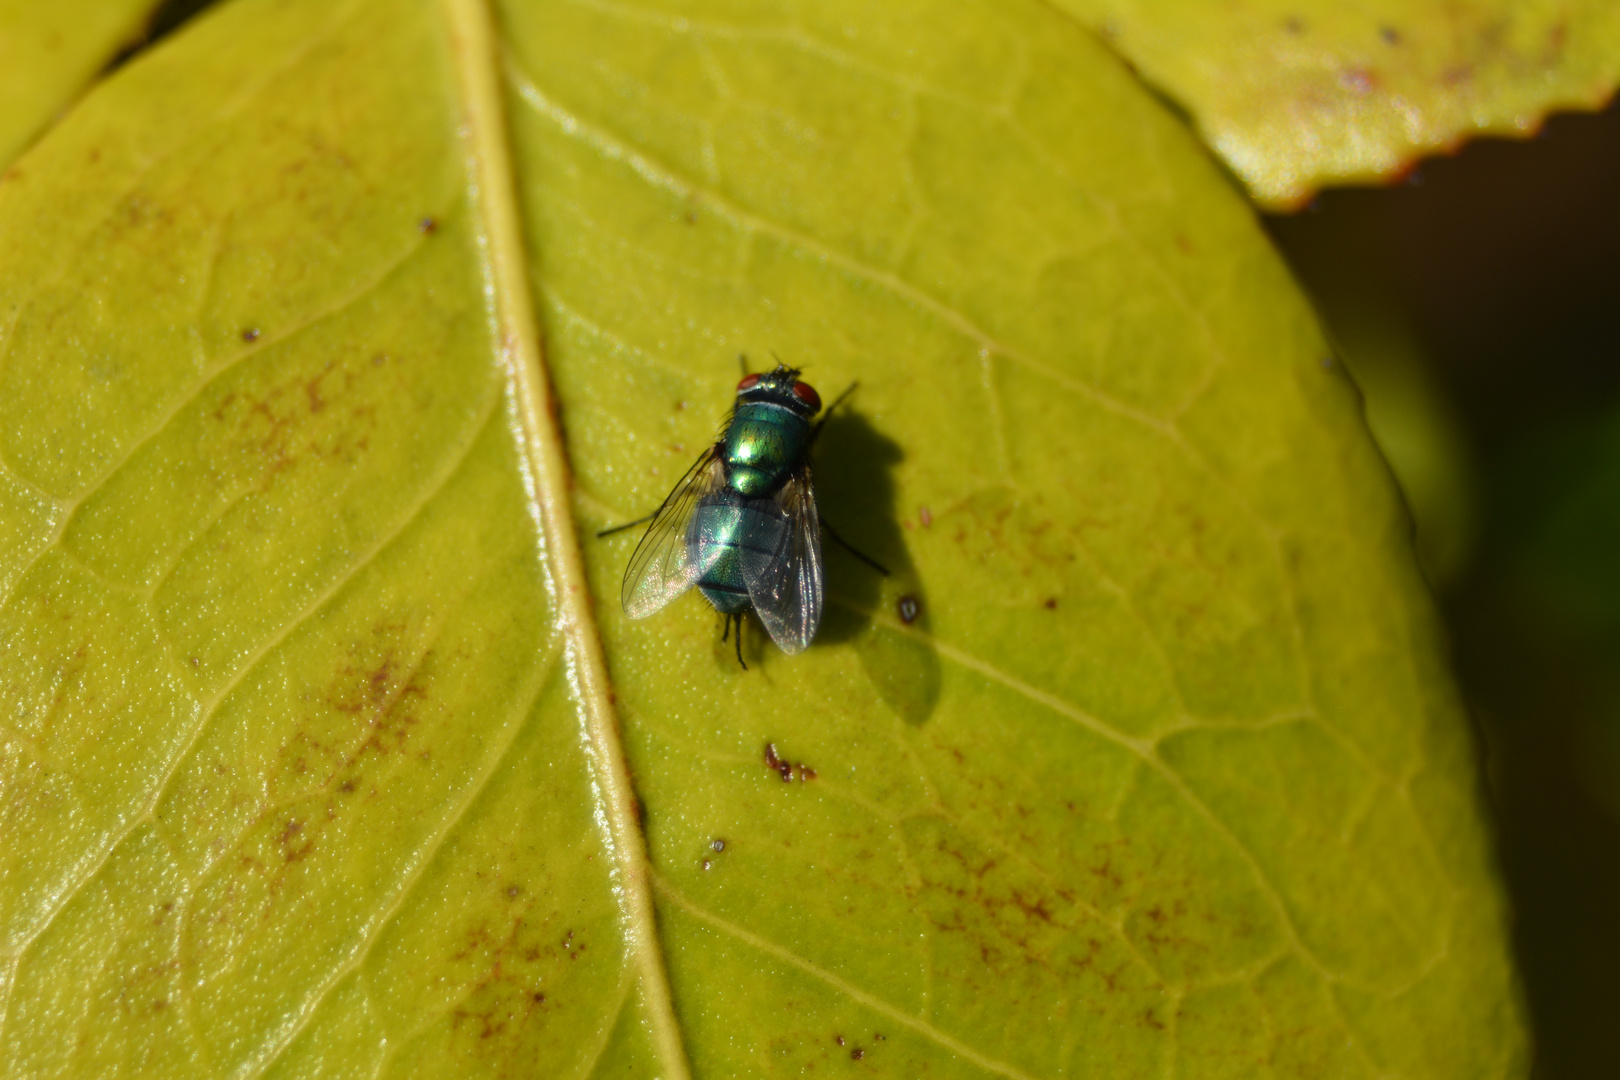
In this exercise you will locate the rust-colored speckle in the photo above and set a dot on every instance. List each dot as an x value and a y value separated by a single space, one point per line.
787 770
251 334
877 1036
427 226
707 864
1294 24
839 1039
1051 603
1357 80
908 608
513 892
924 517
856 1054
1390 35
293 846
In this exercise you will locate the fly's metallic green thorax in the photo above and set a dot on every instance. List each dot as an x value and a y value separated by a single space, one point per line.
763 444
768 435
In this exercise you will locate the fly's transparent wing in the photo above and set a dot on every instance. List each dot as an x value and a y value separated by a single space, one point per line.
784 579
664 564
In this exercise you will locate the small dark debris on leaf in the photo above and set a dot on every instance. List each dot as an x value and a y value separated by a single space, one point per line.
907 607
1051 603
877 1035
1390 35
839 1039
717 844
427 225
786 769
250 334
856 1054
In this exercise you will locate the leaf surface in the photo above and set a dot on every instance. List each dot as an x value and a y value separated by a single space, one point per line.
321 752
1297 96
50 52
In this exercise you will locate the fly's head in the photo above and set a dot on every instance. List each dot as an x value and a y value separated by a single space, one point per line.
780 387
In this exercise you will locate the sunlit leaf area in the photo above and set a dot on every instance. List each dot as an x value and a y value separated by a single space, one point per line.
1205 611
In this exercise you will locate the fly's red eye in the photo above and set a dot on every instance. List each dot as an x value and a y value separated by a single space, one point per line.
807 394
748 382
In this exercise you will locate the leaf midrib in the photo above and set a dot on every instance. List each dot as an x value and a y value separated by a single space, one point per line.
515 334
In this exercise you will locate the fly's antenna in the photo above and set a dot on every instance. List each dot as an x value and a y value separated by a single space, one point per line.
742 362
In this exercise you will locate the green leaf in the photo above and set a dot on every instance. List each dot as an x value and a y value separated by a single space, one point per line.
1295 96
329 752
50 52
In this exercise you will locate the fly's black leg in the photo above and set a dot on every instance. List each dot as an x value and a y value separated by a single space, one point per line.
626 525
738 617
827 415
847 546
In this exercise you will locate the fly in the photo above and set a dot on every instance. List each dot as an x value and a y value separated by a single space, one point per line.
742 524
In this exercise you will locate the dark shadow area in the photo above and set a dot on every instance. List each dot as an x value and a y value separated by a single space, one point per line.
1496 278
854 470
853 465
166 18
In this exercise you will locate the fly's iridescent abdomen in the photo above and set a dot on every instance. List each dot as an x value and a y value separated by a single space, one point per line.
728 530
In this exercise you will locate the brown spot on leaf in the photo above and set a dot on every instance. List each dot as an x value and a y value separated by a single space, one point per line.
1358 80
787 770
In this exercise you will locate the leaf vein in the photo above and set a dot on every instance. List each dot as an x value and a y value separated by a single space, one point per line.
838 983
206 710
369 935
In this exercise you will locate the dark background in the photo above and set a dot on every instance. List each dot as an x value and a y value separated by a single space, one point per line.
1478 305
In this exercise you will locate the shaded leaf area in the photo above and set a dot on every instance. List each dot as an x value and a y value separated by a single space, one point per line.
292 781
49 53
1167 773
1294 96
